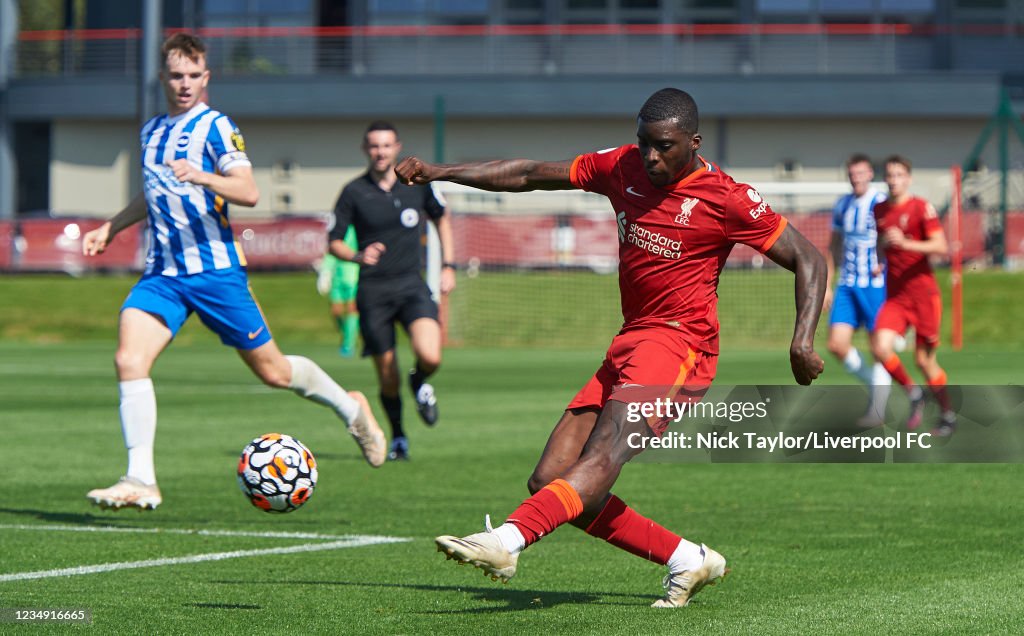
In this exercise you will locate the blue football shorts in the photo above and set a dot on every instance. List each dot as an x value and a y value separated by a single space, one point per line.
221 298
857 306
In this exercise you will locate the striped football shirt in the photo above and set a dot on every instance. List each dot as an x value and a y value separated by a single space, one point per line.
855 218
189 228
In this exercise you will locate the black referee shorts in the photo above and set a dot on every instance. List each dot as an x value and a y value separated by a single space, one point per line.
381 303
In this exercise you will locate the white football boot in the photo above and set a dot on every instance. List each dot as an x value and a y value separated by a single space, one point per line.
367 433
484 550
128 492
681 586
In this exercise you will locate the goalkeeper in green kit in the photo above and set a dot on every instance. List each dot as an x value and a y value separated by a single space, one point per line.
339 280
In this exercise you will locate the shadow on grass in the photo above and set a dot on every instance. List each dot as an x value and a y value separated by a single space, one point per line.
355 458
511 599
83 519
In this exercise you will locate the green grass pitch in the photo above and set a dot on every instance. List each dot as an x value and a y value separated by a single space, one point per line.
817 549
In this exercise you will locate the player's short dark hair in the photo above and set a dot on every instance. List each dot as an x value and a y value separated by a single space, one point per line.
858 157
900 159
671 103
185 43
380 124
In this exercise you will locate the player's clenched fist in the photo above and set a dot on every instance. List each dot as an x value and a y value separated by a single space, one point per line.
95 241
806 363
371 254
894 237
187 173
414 171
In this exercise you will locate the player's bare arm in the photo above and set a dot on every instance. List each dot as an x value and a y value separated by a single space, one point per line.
794 252
236 186
835 255
507 175
368 256
935 245
444 233
95 242
880 245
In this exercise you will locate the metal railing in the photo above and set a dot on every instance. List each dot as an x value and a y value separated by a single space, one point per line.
535 49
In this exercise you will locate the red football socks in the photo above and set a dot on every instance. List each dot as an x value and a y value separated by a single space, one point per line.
623 527
550 507
897 371
938 387
618 524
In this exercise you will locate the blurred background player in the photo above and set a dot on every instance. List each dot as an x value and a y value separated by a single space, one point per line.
910 232
860 289
339 280
389 219
194 164
665 196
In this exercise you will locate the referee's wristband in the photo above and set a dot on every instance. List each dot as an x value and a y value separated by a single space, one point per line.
450 265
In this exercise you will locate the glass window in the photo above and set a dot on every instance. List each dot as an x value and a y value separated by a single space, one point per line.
907 6
222 7
524 4
638 4
639 19
784 6
713 4
276 7
461 7
847 7
587 4
397 6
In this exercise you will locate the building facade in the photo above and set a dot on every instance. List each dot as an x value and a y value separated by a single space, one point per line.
787 88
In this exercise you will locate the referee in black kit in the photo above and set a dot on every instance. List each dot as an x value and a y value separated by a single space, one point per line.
389 218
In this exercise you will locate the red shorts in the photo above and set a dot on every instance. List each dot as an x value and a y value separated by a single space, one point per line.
647 364
923 312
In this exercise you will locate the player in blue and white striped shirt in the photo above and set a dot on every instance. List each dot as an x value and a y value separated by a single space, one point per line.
194 164
859 293
189 221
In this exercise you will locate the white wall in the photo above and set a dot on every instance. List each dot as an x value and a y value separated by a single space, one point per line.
89 170
755 146
92 166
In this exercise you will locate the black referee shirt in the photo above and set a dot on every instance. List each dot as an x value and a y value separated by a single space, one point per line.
394 218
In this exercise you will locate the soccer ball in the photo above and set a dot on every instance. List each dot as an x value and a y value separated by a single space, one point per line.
277 473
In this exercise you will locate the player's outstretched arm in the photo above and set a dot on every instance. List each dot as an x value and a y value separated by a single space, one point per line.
794 252
506 175
95 241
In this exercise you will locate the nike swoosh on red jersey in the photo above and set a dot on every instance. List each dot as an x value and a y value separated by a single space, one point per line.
633 192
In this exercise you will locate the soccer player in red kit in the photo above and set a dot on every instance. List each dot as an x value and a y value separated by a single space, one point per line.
678 216
908 233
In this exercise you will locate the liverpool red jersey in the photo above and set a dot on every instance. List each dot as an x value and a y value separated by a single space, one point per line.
673 240
908 272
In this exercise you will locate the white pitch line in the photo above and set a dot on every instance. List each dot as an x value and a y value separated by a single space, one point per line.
186 531
354 542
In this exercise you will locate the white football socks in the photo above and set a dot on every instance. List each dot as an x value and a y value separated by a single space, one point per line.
313 383
881 385
855 365
511 538
687 556
138 425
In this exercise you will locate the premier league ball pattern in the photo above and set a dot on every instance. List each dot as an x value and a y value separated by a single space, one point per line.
277 473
